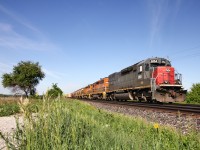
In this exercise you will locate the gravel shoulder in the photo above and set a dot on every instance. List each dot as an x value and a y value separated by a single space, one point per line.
7 126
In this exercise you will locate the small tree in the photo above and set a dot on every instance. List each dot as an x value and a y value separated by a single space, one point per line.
193 95
55 91
25 76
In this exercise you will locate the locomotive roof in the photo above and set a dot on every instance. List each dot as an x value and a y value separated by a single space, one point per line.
148 60
153 58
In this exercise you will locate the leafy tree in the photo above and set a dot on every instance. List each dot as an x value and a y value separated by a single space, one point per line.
193 95
25 76
55 91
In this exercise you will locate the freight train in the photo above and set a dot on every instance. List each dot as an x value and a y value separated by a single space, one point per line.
153 79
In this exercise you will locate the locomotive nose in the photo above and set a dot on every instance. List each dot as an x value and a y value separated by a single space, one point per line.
164 75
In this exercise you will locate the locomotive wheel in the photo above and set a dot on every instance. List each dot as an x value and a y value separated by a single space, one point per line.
149 100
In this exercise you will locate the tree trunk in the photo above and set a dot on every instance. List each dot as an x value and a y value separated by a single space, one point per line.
26 93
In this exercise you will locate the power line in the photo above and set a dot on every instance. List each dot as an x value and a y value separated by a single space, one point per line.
192 55
188 52
185 50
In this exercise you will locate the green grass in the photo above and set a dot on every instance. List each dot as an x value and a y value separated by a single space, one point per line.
7 109
71 124
11 106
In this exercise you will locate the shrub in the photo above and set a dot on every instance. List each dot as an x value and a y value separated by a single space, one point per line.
55 91
193 96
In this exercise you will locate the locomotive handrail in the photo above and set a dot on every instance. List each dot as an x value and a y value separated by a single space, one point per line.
153 84
178 77
153 87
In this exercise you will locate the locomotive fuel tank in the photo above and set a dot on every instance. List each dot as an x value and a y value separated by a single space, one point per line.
123 96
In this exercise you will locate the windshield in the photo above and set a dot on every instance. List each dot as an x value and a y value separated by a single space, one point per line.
157 64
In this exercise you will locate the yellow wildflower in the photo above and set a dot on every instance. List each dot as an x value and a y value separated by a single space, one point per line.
156 125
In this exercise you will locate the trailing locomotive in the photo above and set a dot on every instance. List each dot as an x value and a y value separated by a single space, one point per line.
153 79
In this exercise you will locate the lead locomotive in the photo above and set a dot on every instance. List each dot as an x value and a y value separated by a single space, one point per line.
153 79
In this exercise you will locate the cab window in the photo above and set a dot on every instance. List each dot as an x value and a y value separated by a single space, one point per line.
140 69
146 67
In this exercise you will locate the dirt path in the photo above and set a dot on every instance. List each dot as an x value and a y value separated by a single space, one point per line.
7 125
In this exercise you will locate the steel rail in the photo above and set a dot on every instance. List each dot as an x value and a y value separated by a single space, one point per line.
164 106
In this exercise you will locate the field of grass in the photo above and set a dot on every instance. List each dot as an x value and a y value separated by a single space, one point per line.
8 107
70 124
11 106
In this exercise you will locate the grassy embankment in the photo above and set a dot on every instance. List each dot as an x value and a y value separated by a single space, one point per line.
71 124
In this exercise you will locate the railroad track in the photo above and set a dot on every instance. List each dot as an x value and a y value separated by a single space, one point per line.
183 108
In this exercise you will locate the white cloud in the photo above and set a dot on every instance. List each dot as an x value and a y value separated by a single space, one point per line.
18 19
53 74
11 38
5 27
160 10
157 9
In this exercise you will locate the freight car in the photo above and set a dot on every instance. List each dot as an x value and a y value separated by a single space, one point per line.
153 79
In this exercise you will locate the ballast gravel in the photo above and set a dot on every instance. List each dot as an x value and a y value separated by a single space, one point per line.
181 122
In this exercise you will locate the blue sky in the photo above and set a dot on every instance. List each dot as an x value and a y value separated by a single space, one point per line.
80 41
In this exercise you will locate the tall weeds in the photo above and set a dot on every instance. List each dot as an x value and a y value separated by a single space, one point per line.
73 125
